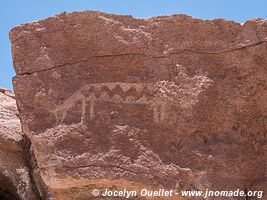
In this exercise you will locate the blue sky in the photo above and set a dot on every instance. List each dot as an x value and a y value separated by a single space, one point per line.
15 12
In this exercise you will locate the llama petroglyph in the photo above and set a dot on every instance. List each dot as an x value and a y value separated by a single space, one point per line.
117 92
159 96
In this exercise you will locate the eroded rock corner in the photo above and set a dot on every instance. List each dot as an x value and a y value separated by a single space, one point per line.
111 101
15 178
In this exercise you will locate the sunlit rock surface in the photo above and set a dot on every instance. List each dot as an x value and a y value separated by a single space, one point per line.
15 179
114 101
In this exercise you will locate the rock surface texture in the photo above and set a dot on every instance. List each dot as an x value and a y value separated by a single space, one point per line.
111 101
15 179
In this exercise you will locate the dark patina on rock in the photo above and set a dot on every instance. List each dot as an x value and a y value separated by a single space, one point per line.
170 101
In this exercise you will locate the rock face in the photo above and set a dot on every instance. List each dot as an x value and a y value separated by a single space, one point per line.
112 101
15 179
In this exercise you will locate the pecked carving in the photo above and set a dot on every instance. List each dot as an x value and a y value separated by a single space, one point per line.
167 102
117 92
158 96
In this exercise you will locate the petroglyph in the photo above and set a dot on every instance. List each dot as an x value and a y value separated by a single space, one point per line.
117 92
159 96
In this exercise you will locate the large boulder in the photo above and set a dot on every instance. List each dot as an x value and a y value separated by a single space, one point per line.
15 178
111 101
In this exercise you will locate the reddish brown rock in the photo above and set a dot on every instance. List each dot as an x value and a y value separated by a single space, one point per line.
171 101
15 179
